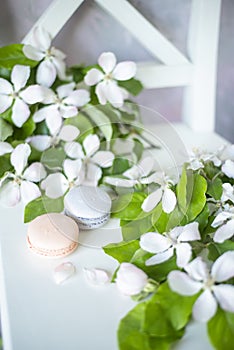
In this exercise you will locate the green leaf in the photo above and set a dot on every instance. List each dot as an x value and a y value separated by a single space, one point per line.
191 194
119 166
123 251
77 73
5 73
25 131
215 188
157 272
101 120
41 206
82 123
203 218
53 158
12 55
128 206
135 228
217 249
167 313
221 330
132 337
113 114
133 85
6 130
164 222
5 164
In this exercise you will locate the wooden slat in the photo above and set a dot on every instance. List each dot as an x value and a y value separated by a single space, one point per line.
161 76
200 97
143 31
55 16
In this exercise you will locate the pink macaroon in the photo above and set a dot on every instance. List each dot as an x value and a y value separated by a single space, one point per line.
52 235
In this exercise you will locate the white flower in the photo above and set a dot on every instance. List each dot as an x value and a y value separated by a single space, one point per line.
163 245
92 159
14 93
107 89
228 168
198 277
226 152
67 133
62 104
130 279
163 193
228 193
135 175
97 276
198 157
39 49
5 148
20 184
57 184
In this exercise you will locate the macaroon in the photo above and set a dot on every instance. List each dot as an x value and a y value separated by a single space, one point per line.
90 207
52 235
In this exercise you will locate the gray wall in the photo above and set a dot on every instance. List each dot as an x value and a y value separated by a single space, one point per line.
91 31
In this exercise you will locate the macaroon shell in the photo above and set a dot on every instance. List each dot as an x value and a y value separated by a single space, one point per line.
53 234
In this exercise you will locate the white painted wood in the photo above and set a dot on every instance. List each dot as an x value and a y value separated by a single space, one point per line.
200 97
160 76
143 31
55 16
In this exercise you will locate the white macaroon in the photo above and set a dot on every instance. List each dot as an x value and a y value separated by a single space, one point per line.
89 206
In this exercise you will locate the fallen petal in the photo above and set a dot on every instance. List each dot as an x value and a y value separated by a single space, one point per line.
64 271
97 276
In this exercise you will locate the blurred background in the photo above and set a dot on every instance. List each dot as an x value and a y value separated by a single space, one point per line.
91 31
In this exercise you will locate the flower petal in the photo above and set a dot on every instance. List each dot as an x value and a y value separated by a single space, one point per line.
5 87
114 94
168 200
223 267
68 111
224 293
197 269
224 232
93 77
107 61
103 158
33 53
20 112
46 73
182 284
49 96
57 53
44 112
97 276
55 185
183 253
100 91
154 242
124 70
91 144
228 168
93 175
120 182
41 39
160 257
40 142
77 98
221 217
68 133
152 200
10 194
228 193
72 168
19 157
145 166
190 232
32 94
130 279
205 307
29 191
65 90
54 122
74 150
19 76
35 172
63 272
5 102
5 148
60 67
